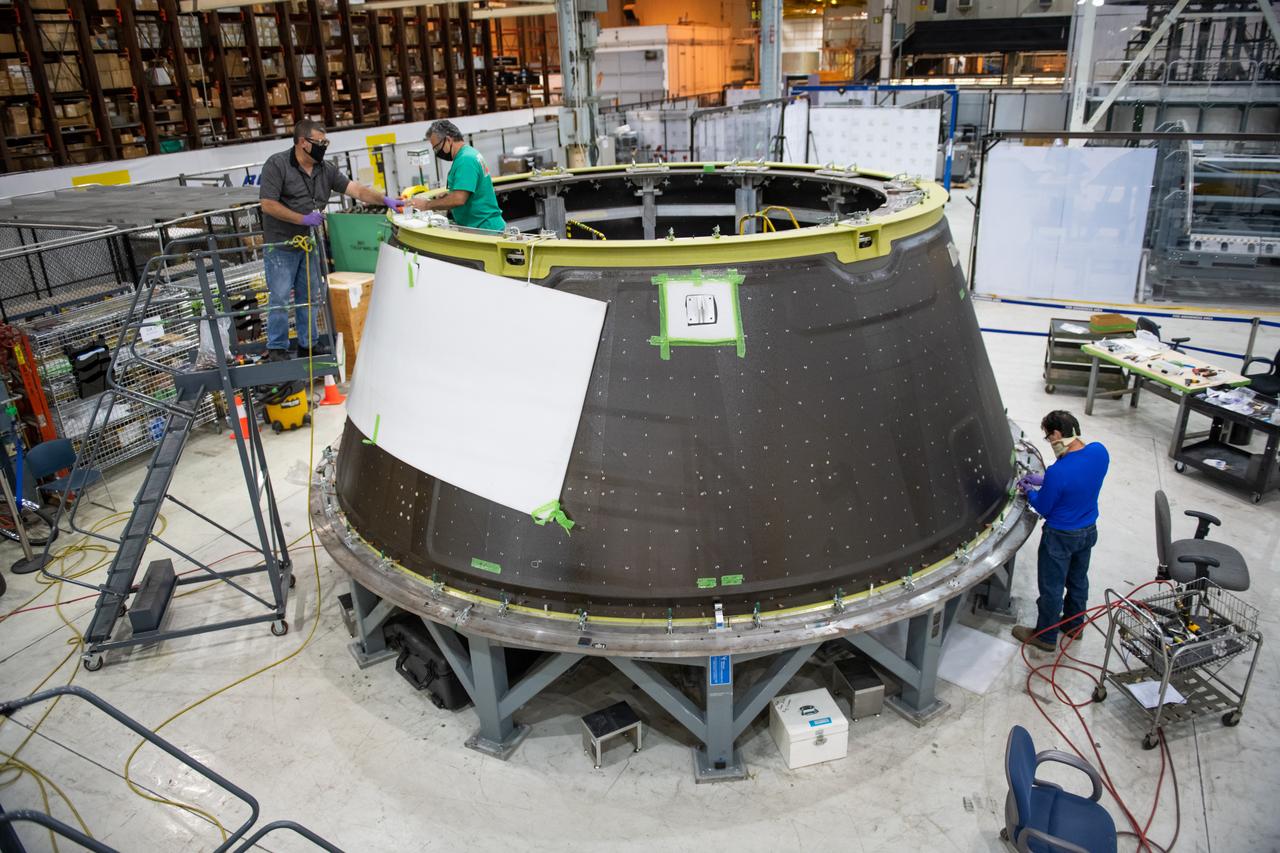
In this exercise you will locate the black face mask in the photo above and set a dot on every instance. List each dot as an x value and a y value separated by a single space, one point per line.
316 150
441 153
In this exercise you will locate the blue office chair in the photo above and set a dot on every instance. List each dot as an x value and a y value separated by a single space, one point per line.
46 459
1040 817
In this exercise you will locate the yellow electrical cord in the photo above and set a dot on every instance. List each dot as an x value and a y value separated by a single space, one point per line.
12 763
568 229
79 549
308 245
742 222
784 209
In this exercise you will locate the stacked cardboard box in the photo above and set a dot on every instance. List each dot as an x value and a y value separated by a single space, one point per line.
57 36
242 102
189 27
15 79
268 32
232 34
8 43
113 71
63 76
236 67
278 95
17 121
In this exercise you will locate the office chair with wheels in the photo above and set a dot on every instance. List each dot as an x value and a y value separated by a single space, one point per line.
46 459
1226 566
1268 382
1041 817
1146 324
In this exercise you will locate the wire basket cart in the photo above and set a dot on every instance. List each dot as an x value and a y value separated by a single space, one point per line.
1184 638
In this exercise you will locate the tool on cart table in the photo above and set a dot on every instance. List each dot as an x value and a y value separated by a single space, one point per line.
1177 645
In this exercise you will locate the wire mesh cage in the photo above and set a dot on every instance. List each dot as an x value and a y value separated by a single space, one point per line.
1196 625
48 266
63 344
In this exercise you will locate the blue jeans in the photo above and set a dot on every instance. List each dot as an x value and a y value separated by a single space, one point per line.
286 271
1064 578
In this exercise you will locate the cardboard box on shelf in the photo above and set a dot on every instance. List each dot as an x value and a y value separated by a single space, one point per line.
133 151
57 35
62 76
49 5
8 43
242 102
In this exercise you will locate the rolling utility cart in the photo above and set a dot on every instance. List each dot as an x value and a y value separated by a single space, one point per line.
1066 366
1218 457
1182 638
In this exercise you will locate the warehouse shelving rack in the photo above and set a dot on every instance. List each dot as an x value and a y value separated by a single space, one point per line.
148 78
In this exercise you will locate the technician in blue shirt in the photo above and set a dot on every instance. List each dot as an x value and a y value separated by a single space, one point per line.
1066 496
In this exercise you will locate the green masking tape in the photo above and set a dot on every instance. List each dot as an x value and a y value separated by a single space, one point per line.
377 422
731 580
485 566
706 583
551 511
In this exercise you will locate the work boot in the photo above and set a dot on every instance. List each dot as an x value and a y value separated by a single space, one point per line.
278 355
1072 637
1026 635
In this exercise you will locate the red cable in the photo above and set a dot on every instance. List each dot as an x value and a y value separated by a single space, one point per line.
1091 616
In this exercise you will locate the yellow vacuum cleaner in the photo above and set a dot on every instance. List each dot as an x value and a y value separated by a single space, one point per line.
287 407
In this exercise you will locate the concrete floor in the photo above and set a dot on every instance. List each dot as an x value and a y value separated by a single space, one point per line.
362 759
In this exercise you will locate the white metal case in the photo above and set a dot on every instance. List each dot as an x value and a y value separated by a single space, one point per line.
808 728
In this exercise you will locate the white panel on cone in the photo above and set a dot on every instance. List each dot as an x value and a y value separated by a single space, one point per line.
473 378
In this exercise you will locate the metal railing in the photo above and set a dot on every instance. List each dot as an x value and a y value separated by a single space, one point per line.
1186 72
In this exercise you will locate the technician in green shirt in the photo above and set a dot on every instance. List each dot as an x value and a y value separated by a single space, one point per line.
470 198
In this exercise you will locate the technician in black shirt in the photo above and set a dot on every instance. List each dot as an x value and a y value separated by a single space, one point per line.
295 188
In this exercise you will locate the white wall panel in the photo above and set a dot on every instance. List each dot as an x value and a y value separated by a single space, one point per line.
1064 223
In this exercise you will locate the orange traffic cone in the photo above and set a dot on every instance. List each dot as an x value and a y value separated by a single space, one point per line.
331 395
244 420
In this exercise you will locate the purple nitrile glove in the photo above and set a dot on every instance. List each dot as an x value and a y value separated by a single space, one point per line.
314 219
1034 480
396 204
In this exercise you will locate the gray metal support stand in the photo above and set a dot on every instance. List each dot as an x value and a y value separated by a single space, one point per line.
368 615
993 597
918 670
723 720
481 666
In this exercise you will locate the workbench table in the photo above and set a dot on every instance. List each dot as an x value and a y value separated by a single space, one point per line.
1177 385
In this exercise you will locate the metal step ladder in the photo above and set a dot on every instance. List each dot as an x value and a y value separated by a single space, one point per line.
188 292
146 511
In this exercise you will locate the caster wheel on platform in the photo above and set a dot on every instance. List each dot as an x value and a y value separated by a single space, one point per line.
1179 467
92 663
277 427
1257 498
1049 389
1004 834
306 419
293 581
1231 718
280 627
1099 693
1150 741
